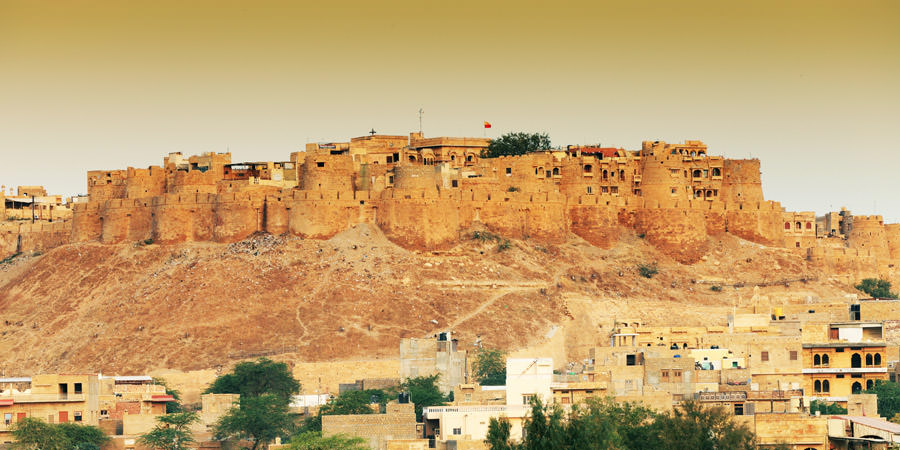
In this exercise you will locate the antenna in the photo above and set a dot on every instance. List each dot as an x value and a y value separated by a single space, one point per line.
421 111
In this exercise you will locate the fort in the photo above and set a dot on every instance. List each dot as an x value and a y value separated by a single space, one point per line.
428 193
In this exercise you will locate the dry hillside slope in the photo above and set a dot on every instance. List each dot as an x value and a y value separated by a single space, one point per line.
135 308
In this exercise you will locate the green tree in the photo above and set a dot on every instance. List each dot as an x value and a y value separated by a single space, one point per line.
876 288
690 426
511 144
544 429
311 440
35 434
489 367
825 408
423 391
172 432
498 434
171 407
888 397
258 418
253 379
83 437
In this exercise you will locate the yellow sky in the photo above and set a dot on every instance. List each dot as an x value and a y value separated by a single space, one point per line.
810 87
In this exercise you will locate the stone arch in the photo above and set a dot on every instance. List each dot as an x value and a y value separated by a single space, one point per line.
716 172
556 171
605 175
869 359
817 386
817 360
698 194
622 174
799 225
877 359
696 173
826 386
856 388
808 225
787 225
870 384
709 194
693 153
824 360
856 361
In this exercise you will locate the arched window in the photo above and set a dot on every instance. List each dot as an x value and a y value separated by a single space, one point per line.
452 157
826 386
693 153
698 194
589 168
717 172
605 174
877 361
856 388
817 360
808 225
787 225
696 173
799 225
621 174
469 158
856 360
556 171
709 194
870 384
412 158
824 360
817 386
869 360
674 152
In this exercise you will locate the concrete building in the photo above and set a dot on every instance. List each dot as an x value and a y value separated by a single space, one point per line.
847 358
438 355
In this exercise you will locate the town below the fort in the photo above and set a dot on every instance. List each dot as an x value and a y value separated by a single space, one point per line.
415 293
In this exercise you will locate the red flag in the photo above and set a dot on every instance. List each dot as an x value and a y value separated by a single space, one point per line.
487 124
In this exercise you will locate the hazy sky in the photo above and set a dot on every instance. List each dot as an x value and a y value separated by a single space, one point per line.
810 87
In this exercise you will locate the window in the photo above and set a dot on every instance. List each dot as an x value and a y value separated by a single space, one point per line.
664 375
454 183
555 171
590 189
808 225
457 431
878 359
787 225
526 398
565 400
78 388
390 159
320 163
764 356
676 375
869 360
817 360
589 168
792 355
78 416
826 386
739 409
468 397
817 386
630 360
508 171
717 172
7 418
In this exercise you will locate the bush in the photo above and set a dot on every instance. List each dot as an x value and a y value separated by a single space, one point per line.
647 270
716 288
484 236
876 288
148 241
505 245
513 189
9 258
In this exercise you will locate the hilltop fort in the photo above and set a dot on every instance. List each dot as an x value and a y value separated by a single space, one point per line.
425 193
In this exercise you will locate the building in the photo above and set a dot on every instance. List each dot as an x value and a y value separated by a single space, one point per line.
53 398
847 358
438 355
397 423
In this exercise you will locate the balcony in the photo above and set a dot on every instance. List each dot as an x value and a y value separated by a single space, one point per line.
45 398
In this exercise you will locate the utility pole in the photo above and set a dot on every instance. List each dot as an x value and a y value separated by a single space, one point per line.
32 208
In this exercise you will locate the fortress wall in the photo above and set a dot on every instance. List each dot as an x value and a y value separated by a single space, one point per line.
277 214
679 233
9 239
892 233
106 184
322 214
143 183
594 218
742 182
237 216
181 218
868 233
192 181
41 237
757 222
420 223
86 225
854 263
115 221
662 173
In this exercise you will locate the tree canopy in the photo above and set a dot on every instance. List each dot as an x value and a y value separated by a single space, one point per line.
259 419
825 408
876 288
252 379
512 144
888 397
604 424
489 367
311 440
423 391
172 432
171 407
31 433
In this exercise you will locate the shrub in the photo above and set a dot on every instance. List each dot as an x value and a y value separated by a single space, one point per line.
876 288
484 236
647 270
513 189
503 246
148 241
716 288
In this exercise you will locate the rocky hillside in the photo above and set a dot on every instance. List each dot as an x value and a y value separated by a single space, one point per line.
133 308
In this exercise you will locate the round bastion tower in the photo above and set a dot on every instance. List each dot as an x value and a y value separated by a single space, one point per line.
868 234
325 172
664 177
